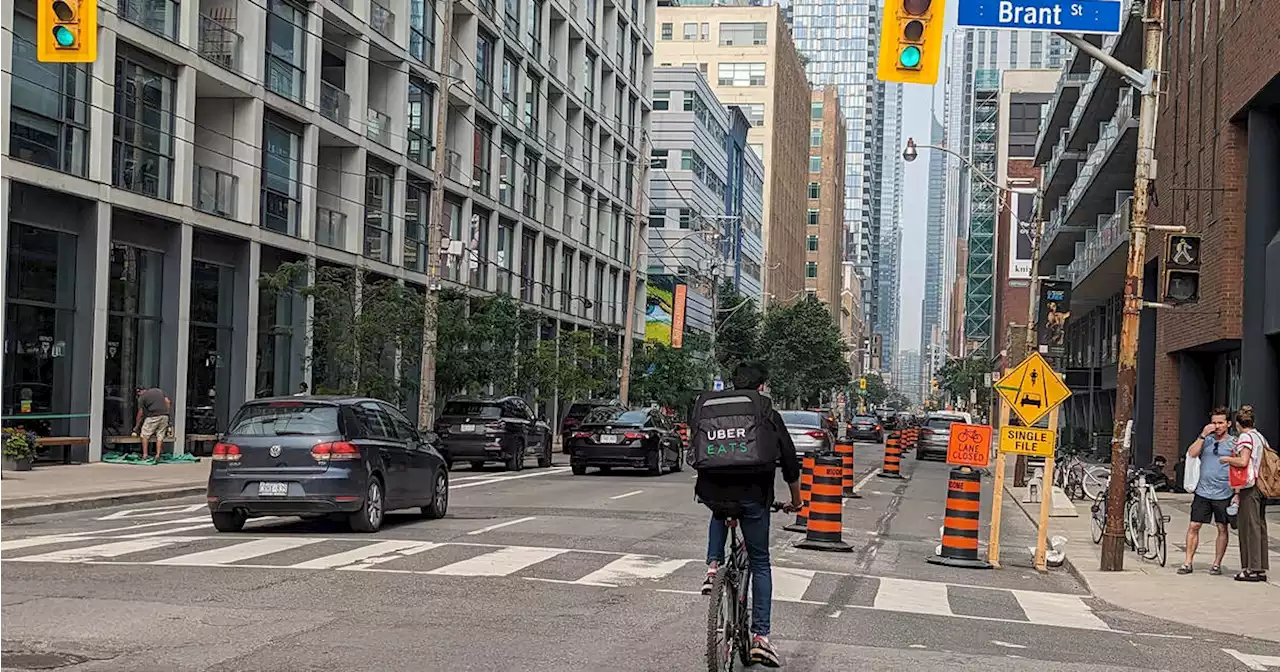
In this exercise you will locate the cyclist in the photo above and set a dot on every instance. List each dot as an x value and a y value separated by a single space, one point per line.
745 489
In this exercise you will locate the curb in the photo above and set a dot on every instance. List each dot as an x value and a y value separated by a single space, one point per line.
17 511
1067 564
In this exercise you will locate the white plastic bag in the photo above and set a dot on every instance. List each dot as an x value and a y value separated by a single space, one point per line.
1191 474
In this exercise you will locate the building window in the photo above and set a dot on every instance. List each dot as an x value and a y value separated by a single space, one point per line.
39 315
533 104
755 113
49 115
511 16
507 174
478 249
157 16
506 245
813 216
758 148
286 48
134 335
209 347
740 74
704 32
815 190
417 203
281 190
379 191
480 158
548 273
810 269
510 90
531 185
690 31
589 80
528 244
815 164
815 137
657 219
143 148
744 34
661 100
484 69
422 31
815 110
812 243
566 279
666 31
419 122
658 159
686 217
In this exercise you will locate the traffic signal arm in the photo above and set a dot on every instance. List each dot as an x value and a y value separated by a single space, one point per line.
67 31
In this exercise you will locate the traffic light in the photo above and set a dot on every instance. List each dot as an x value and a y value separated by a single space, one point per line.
67 31
862 383
911 41
1181 269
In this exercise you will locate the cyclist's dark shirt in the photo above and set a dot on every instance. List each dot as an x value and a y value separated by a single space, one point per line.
755 486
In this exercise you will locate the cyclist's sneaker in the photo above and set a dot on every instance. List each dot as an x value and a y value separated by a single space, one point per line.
707 582
763 653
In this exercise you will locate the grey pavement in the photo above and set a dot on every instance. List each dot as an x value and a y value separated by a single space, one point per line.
543 570
51 488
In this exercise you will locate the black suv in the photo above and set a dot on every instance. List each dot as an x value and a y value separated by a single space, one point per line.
481 429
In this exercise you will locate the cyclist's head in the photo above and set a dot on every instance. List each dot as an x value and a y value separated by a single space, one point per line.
1244 417
750 376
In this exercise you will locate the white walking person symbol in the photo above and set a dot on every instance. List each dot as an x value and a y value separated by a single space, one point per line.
1182 252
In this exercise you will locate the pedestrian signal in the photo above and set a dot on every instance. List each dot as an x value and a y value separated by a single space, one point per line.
67 31
1181 282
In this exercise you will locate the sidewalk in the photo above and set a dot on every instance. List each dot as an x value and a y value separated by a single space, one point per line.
1200 600
55 488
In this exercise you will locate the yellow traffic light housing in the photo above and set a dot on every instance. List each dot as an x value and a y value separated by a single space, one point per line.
911 41
67 31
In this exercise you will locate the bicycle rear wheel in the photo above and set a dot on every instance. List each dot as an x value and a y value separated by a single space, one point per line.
1156 537
1099 519
722 623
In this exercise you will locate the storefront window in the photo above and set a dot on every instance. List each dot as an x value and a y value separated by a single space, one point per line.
133 332
38 330
275 342
209 351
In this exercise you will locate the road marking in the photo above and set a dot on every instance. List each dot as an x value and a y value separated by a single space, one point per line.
870 475
43 540
1253 661
501 562
503 479
109 550
1058 609
153 511
383 551
1007 645
173 530
491 528
836 613
913 597
242 551
631 569
627 494
790 585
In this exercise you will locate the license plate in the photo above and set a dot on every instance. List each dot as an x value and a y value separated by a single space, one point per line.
273 489
608 438
467 428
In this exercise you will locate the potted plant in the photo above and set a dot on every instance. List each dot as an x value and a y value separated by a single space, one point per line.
19 449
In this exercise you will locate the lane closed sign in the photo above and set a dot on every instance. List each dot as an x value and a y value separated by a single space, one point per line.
969 445
1027 441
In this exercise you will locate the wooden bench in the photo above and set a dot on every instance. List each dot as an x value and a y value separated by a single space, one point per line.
194 441
131 444
66 442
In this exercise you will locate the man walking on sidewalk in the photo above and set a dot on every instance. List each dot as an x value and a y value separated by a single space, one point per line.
1213 491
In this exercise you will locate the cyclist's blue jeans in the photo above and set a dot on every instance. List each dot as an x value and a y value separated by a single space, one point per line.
754 526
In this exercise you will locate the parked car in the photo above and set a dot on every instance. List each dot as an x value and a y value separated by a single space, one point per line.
349 457
935 433
809 431
481 430
866 428
574 416
642 439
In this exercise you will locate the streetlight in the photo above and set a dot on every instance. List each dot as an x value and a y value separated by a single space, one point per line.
909 154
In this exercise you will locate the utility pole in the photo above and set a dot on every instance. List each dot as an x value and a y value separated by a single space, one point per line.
637 239
1143 177
431 300
1032 344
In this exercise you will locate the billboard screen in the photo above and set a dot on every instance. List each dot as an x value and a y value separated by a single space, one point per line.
1021 229
664 310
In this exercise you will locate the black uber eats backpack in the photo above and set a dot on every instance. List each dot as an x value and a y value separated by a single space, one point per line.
730 432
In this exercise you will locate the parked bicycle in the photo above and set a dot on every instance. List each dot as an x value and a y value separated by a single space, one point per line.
1077 478
1143 519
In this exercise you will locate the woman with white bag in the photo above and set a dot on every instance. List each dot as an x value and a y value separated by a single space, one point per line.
1206 476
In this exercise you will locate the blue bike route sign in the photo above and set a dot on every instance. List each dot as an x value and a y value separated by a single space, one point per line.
1066 16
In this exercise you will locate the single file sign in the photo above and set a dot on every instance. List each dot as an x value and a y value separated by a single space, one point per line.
969 445
1027 441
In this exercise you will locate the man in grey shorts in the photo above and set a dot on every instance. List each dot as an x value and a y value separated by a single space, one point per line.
152 421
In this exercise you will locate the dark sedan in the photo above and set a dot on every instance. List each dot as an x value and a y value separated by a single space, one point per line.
640 439
866 428
347 457
578 411
478 430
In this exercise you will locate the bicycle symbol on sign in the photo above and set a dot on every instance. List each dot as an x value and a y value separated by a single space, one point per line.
970 436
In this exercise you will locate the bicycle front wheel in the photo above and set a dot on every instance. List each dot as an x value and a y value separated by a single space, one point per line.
1094 481
1099 520
722 623
1133 527
1156 537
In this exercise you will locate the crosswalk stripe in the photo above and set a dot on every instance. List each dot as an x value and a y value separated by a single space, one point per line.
109 550
238 552
630 569
29 542
373 554
915 597
1057 609
504 561
790 584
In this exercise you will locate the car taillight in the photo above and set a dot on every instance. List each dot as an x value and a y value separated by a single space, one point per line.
226 452
582 435
635 436
338 450
817 434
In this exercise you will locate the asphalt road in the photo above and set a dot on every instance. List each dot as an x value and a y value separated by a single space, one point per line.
543 570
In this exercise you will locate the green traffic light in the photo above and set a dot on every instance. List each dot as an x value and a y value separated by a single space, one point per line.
910 57
63 36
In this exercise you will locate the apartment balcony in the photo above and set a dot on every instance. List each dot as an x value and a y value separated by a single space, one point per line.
335 104
1100 93
220 44
215 192
1061 106
1100 260
157 16
331 228
378 127
382 19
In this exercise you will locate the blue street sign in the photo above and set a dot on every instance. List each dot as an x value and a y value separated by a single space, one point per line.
718 384
1066 16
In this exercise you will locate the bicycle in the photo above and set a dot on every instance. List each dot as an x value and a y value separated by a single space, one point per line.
1144 521
1079 479
729 614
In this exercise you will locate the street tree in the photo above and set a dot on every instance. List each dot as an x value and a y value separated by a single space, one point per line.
804 352
958 376
671 377
737 329
877 392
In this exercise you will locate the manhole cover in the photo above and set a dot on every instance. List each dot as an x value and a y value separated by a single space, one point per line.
31 660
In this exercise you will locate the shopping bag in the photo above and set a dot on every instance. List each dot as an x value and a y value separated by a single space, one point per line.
1191 474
